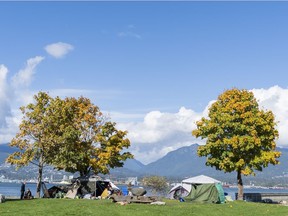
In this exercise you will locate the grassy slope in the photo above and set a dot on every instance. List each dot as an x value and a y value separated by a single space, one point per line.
106 207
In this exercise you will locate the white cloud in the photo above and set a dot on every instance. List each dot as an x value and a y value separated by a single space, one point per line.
10 129
276 100
24 76
3 81
58 50
15 93
4 97
129 34
158 133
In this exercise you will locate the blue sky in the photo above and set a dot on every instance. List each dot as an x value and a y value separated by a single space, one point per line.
154 67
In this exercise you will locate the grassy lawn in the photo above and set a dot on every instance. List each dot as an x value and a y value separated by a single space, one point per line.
106 207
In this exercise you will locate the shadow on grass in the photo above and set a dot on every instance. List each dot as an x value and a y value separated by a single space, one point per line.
13 200
17 200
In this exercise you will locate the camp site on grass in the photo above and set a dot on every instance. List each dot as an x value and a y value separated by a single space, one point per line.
198 189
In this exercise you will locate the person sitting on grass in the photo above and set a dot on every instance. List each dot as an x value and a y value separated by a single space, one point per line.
28 194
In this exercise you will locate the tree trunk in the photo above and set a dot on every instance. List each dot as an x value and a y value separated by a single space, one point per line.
240 185
39 179
85 171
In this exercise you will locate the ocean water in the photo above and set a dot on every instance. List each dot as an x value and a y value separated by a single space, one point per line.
13 189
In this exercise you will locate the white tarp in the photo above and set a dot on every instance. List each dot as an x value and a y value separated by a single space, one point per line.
201 179
114 187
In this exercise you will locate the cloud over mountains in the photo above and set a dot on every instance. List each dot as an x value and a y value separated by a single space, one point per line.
160 133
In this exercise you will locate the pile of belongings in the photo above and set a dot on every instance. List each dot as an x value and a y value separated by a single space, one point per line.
136 195
87 187
57 191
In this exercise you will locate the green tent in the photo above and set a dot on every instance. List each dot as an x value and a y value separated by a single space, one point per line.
204 189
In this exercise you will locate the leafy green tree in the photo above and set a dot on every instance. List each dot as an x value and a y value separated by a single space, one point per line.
239 136
156 183
70 134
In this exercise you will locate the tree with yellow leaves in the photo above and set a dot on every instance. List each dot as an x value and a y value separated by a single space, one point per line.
70 134
34 137
91 144
239 136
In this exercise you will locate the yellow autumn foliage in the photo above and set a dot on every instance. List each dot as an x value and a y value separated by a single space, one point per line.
239 135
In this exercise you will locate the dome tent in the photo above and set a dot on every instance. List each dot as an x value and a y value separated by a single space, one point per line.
204 189
179 191
199 188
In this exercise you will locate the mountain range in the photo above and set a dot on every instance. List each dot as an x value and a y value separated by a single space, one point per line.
184 162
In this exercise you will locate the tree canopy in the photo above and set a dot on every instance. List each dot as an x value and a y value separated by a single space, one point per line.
90 143
70 134
239 135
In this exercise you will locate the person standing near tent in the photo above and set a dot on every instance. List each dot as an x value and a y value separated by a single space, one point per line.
22 190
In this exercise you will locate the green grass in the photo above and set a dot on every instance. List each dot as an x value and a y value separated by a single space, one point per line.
107 208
